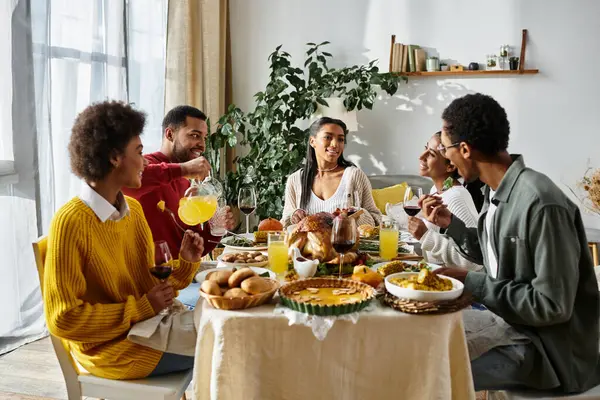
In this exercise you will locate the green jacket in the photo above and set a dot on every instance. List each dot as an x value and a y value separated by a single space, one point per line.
545 287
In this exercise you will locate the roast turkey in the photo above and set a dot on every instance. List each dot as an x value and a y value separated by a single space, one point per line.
312 236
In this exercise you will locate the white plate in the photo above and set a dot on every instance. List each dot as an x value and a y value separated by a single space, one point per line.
201 276
422 295
381 264
240 265
227 239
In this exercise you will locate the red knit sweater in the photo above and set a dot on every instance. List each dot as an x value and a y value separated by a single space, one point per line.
162 180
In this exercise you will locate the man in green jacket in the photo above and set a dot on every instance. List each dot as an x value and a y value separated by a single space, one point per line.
539 283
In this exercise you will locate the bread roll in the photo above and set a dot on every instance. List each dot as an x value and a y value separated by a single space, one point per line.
221 277
235 292
256 285
211 287
238 276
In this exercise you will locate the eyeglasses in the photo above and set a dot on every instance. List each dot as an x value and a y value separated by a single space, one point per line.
442 149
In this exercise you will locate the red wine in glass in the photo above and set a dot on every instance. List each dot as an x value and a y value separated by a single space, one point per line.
161 272
343 246
247 210
343 236
411 200
163 262
412 210
247 203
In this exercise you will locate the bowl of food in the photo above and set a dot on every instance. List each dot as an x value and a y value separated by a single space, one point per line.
244 259
236 289
423 286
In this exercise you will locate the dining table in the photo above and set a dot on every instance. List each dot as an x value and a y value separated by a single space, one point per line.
257 353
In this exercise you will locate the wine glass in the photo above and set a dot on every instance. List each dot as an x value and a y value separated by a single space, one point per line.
343 236
247 204
163 264
411 200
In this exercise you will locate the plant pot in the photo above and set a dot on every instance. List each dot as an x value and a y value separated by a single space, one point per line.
337 110
432 64
444 68
513 63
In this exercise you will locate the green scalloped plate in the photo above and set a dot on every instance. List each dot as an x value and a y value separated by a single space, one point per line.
328 310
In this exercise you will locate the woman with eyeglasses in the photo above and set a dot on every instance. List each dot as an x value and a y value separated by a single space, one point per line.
438 248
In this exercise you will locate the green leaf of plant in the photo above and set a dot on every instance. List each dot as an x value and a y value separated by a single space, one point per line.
327 54
310 51
324 43
322 102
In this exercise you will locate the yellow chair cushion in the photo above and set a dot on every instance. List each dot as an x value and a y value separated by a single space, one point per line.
391 194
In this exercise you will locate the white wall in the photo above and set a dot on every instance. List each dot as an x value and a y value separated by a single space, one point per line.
555 115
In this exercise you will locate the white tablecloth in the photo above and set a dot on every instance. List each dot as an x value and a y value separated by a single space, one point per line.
254 354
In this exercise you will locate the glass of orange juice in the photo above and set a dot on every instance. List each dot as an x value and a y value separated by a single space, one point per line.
388 240
278 253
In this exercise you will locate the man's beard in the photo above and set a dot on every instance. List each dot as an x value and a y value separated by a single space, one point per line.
180 153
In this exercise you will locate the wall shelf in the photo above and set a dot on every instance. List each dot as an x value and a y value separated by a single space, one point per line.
468 73
478 73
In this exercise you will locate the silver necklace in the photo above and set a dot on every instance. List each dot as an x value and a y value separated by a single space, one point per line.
326 170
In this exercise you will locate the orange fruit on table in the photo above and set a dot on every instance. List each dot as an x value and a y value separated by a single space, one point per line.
270 224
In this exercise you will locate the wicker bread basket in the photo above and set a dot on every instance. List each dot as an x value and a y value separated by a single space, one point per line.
240 303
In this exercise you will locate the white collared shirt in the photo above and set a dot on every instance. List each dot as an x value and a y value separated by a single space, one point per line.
491 257
101 207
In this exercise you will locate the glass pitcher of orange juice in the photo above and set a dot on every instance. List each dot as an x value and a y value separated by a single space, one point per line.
199 203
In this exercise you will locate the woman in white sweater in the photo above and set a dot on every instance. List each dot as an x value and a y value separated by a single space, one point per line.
327 179
436 246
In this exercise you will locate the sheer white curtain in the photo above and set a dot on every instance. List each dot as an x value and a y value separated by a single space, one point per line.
68 54
88 51
21 312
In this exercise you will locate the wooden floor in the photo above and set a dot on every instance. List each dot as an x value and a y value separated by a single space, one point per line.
32 373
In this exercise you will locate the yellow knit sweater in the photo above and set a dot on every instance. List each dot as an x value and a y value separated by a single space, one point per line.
95 283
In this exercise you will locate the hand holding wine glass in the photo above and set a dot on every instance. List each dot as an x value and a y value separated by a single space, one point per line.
411 200
343 236
247 203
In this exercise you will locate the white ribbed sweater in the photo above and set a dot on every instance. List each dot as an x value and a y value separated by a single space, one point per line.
354 180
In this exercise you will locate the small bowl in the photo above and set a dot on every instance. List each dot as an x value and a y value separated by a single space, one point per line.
304 267
423 295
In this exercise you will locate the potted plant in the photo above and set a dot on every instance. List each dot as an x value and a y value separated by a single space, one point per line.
443 66
272 133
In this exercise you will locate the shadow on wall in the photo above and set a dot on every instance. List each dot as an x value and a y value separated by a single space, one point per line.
391 136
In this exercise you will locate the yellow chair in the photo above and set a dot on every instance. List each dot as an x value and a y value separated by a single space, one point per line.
81 383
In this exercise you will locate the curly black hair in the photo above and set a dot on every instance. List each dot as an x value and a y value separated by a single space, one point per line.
100 132
480 121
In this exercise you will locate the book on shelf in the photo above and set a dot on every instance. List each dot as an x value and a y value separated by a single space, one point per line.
404 61
420 60
397 52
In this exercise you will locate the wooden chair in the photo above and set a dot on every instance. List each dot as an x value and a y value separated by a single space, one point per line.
81 383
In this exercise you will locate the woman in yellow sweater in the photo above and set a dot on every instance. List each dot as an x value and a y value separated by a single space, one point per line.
97 280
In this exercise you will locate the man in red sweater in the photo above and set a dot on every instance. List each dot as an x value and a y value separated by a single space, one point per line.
166 177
